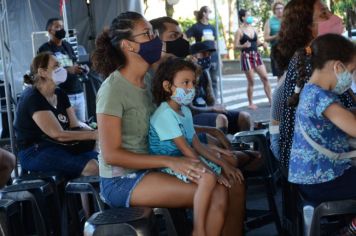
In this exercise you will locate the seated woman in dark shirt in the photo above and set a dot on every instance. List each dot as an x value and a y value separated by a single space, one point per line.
44 113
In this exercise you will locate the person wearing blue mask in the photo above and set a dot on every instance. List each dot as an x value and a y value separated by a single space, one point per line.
246 40
323 124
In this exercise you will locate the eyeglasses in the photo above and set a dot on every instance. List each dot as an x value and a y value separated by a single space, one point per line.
150 34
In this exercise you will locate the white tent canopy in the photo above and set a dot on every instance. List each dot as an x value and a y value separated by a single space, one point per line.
27 16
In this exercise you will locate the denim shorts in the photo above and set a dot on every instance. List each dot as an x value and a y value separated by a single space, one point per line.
54 159
275 145
117 191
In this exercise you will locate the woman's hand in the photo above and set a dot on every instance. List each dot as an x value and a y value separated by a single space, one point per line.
219 108
233 174
192 168
247 44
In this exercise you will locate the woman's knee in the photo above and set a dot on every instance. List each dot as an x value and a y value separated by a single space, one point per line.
222 121
7 160
91 168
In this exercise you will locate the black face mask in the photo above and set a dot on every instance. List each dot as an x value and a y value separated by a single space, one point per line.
178 47
60 34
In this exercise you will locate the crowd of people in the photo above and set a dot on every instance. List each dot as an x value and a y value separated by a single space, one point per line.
160 125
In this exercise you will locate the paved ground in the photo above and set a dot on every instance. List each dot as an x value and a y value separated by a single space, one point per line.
234 95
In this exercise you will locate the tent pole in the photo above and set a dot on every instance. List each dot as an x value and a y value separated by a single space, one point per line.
218 52
6 65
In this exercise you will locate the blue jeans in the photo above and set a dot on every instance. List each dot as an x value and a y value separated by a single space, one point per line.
54 159
78 103
275 145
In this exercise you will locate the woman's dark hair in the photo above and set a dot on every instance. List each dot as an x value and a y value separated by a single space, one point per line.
40 61
166 71
107 56
323 49
296 31
242 13
199 14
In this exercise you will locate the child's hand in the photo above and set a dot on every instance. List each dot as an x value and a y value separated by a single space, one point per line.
192 168
222 180
233 174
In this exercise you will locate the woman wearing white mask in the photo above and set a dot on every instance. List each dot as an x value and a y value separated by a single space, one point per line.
246 40
45 118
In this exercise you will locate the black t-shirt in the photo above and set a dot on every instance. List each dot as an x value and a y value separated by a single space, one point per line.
72 85
202 32
31 101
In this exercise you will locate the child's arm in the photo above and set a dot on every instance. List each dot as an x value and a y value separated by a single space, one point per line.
185 148
342 118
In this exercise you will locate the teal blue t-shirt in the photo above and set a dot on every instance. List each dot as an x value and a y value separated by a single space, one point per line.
165 125
275 27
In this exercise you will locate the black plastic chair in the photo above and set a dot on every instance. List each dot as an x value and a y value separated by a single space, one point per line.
31 219
122 221
101 221
311 214
268 175
10 218
47 200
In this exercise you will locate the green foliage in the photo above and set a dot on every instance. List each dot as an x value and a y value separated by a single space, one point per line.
341 7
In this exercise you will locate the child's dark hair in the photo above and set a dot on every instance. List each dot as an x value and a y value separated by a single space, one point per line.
107 56
167 70
41 60
158 23
323 49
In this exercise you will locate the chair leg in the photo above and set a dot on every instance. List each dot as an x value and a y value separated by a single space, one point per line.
273 206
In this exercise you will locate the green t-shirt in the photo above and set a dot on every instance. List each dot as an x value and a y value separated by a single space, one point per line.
118 97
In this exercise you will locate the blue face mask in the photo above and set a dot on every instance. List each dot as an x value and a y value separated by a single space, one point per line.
151 51
183 96
344 81
205 62
249 20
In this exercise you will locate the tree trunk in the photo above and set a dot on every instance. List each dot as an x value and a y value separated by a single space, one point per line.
169 9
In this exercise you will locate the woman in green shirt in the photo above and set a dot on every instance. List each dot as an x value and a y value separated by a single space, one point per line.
123 54
271 30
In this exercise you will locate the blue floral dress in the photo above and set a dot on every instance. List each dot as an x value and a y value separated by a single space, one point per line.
307 165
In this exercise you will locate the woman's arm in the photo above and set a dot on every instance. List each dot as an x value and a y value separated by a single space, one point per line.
216 133
113 153
201 109
48 123
267 32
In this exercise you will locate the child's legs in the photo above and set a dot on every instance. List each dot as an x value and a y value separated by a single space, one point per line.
217 211
202 199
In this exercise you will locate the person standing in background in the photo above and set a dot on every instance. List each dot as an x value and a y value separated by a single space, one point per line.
203 31
246 40
271 30
64 53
